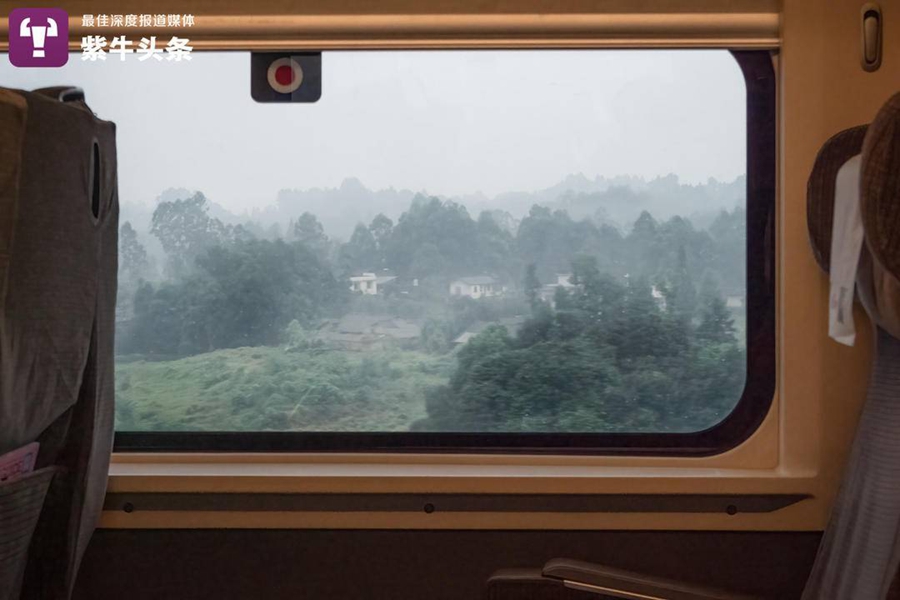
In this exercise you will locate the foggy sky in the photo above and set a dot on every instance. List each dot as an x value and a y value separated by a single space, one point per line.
444 122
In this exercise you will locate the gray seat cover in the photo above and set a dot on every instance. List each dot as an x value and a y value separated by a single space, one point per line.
58 266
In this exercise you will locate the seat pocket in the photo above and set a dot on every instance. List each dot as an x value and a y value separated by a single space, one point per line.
21 501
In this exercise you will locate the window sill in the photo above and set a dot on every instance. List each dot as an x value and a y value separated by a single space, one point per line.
288 490
233 473
207 491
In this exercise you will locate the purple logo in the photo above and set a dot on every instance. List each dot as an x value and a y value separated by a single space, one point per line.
38 37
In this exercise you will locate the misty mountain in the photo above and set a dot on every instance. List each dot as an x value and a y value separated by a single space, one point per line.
619 201
616 201
338 209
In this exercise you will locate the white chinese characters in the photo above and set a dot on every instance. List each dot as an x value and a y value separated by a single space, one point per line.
96 47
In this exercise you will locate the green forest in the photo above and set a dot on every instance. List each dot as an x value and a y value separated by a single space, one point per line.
563 324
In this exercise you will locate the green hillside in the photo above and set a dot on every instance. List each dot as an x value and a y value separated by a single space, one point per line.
268 388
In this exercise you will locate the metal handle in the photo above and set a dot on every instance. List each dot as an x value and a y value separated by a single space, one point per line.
871 37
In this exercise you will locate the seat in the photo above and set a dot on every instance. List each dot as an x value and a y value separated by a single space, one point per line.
58 256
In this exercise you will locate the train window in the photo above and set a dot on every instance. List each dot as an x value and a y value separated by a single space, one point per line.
530 250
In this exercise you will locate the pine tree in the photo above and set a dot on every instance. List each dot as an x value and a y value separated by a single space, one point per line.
716 325
682 298
532 287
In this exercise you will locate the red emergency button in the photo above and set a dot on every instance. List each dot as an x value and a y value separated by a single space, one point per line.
285 75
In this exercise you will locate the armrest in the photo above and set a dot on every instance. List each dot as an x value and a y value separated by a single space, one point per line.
618 583
529 584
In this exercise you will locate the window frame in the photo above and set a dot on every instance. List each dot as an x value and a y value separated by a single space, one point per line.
738 426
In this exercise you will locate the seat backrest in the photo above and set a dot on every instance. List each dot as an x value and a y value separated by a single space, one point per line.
58 266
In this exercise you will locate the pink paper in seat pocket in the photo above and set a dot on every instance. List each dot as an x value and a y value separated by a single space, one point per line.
18 462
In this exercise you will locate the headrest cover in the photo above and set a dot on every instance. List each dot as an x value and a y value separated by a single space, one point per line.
880 186
820 189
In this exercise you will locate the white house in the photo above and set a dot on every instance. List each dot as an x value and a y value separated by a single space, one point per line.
479 286
564 280
734 301
548 291
658 297
369 283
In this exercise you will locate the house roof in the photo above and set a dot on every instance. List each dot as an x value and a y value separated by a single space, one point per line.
476 280
465 337
360 324
383 275
398 329
564 279
512 324
355 323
